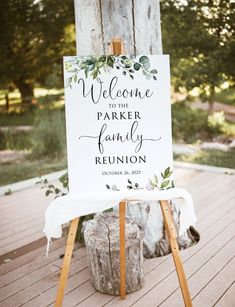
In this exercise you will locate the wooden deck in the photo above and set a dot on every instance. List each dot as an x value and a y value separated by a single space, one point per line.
28 278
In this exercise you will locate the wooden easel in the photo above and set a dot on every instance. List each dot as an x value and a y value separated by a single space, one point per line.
117 48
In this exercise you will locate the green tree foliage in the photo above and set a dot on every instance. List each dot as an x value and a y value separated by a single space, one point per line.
199 36
33 40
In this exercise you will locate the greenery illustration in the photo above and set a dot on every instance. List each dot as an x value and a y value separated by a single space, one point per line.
51 189
164 183
92 67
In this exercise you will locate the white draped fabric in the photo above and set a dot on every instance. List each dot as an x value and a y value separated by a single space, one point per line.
65 208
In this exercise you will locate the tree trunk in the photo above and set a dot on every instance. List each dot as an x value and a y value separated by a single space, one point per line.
7 101
103 253
211 100
211 106
26 91
137 22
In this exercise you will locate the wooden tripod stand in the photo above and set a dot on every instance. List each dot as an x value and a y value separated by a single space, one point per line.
117 48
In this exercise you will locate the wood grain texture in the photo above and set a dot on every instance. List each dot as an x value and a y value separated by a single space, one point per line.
103 253
137 22
67 261
227 299
89 38
147 27
172 236
117 22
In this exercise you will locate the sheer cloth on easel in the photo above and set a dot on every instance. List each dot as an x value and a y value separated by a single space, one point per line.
66 208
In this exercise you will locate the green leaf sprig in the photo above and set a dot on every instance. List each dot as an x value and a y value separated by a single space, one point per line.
92 67
51 189
129 65
165 183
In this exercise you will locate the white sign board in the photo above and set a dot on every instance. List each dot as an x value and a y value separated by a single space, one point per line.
118 122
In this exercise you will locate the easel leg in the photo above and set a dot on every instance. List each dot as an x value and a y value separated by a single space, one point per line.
172 235
67 260
122 213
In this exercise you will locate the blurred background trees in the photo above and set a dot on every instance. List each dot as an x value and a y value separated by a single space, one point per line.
199 36
33 37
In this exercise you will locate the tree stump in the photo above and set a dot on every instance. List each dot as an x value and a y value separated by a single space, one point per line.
102 244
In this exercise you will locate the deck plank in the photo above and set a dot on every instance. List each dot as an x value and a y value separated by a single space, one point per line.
203 267
222 280
31 279
216 228
159 284
228 298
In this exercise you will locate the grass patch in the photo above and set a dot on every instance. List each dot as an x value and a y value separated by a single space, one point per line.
15 140
20 115
210 157
190 125
10 173
25 118
48 135
226 96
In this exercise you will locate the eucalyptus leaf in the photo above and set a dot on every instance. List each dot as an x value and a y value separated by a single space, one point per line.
110 62
143 59
48 192
165 184
102 58
155 179
137 66
127 63
99 64
154 184
95 74
88 62
72 71
167 172
91 67
146 65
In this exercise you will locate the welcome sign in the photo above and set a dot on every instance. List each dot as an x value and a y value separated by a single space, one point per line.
118 122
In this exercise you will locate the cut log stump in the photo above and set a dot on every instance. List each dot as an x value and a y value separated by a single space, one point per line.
102 244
